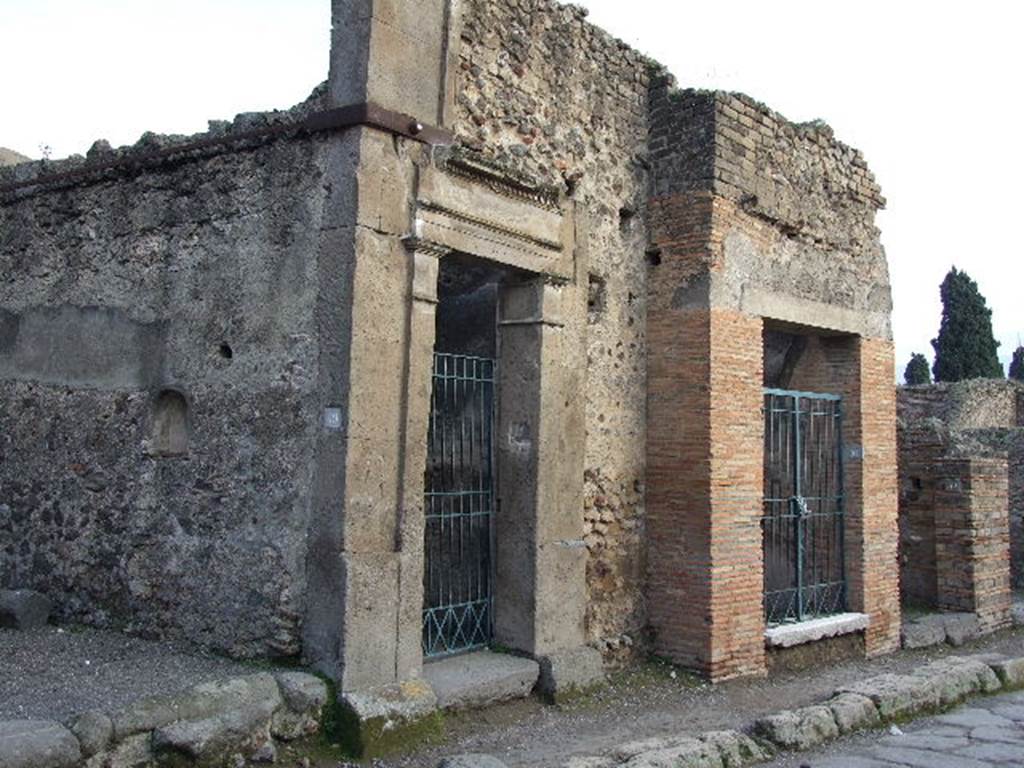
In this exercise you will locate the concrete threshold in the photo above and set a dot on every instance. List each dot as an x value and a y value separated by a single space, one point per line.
480 678
788 635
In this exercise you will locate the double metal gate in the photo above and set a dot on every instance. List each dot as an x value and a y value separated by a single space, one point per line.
803 506
458 575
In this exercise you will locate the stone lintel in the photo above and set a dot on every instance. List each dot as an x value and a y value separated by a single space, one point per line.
500 222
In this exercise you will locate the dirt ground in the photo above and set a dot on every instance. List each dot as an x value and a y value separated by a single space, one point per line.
54 672
654 699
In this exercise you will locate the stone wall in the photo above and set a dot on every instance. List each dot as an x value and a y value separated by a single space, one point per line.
542 91
968 418
158 387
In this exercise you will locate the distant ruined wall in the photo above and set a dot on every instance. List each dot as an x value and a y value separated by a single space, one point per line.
158 368
542 91
981 417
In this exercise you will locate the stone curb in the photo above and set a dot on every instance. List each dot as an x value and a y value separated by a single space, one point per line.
877 701
228 721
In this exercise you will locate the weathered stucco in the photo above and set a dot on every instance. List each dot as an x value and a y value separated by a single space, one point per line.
190 277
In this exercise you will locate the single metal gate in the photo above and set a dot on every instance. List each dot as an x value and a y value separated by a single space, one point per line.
458 574
804 574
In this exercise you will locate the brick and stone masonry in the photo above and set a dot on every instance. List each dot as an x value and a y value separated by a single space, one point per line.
738 250
265 303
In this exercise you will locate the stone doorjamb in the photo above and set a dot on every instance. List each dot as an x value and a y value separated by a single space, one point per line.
540 591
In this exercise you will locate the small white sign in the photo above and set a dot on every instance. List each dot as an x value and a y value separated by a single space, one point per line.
332 419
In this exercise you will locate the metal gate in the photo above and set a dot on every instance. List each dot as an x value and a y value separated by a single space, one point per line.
460 499
804 574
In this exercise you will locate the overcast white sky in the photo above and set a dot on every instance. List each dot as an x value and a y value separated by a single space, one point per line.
930 91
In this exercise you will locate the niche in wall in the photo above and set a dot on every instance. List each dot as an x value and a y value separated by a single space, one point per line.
170 424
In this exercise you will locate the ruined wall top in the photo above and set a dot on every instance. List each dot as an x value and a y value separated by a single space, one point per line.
963 405
797 175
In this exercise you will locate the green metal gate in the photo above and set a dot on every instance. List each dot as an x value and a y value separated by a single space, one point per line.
804 572
458 607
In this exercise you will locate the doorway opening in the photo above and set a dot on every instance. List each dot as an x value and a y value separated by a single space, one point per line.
803 507
460 479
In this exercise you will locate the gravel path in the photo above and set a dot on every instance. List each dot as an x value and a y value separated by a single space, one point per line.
55 673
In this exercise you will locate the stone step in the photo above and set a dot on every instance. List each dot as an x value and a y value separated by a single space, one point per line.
480 678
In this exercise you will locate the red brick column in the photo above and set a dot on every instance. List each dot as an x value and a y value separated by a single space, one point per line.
704 482
872 534
705 448
736 400
972 539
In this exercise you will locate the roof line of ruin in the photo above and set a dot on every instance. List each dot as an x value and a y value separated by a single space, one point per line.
248 130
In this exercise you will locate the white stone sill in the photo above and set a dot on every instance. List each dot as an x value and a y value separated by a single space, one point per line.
788 635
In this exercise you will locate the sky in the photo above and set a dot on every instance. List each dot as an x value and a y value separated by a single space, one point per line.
929 91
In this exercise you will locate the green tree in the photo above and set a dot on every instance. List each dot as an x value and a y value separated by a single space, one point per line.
1017 364
965 347
917 371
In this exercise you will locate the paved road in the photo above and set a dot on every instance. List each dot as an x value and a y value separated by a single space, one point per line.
986 733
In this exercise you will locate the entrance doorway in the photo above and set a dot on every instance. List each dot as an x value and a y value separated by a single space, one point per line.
460 477
804 571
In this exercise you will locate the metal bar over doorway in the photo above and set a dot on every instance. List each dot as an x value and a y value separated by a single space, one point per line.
458 579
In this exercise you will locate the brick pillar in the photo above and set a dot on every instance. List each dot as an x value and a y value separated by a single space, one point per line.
972 539
865 380
705 451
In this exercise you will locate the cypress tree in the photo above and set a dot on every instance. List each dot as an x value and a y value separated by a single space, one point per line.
917 371
1017 364
965 347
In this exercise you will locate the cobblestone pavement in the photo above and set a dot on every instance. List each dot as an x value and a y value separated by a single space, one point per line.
985 733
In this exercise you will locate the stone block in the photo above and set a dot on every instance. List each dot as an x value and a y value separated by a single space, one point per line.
23 609
924 632
253 693
789 635
1009 671
94 730
853 712
954 679
37 744
377 721
679 753
132 752
480 679
564 674
896 696
735 749
471 760
208 742
305 697
961 628
798 729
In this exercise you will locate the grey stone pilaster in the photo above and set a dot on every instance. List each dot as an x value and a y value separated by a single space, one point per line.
394 53
541 560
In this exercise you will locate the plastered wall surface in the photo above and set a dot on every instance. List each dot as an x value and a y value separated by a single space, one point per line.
194 277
